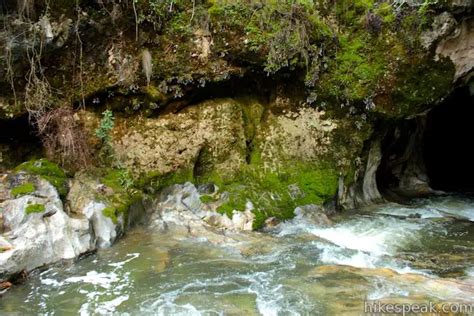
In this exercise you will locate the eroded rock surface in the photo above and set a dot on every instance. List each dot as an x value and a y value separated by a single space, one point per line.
179 208
36 230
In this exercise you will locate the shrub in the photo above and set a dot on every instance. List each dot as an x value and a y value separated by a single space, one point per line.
103 133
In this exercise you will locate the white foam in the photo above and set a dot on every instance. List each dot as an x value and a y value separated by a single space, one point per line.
384 289
331 254
110 306
375 236
104 280
51 282
122 263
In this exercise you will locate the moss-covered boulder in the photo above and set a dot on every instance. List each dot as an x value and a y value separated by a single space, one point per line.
49 171
106 201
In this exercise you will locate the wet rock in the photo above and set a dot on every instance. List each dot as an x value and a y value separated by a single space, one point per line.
82 200
271 223
243 220
4 244
207 188
453 290
312 213
364 191
179 207
444 264
105 230
4 287
30 239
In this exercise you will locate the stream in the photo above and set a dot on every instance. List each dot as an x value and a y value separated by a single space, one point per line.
413 253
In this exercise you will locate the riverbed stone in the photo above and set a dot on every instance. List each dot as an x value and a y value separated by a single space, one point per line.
313 214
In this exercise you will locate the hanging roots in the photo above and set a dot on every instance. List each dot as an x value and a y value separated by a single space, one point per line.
64 138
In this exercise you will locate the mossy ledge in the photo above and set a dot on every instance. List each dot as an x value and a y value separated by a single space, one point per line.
49 171
125 193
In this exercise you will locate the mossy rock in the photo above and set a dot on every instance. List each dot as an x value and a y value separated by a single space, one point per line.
124 193
49 171
207 199
277 194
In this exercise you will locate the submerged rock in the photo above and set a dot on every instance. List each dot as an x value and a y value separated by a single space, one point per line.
453 290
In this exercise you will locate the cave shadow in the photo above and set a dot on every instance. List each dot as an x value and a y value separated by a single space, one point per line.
430 154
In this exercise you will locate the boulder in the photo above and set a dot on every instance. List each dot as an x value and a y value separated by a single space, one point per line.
312 213
84 199
179 207
37 231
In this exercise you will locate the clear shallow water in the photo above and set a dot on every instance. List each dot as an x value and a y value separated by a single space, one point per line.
299 269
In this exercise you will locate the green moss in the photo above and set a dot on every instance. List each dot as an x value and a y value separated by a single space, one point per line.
156 181
125 193
110 212
207 199
282 34
422 84
49 171
385 10
112 179
34 208
277 194
252 115
23 189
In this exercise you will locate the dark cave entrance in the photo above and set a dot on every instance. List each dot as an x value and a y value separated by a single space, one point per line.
433 151
448 143
18 142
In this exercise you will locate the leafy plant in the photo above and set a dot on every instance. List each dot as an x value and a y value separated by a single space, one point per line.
105 126
125 179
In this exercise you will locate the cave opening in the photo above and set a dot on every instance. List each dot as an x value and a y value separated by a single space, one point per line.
429 152
19 142
447 151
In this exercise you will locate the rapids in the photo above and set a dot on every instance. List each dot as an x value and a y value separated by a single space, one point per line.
413 253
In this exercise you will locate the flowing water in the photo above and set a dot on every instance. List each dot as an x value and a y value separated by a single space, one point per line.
417 253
